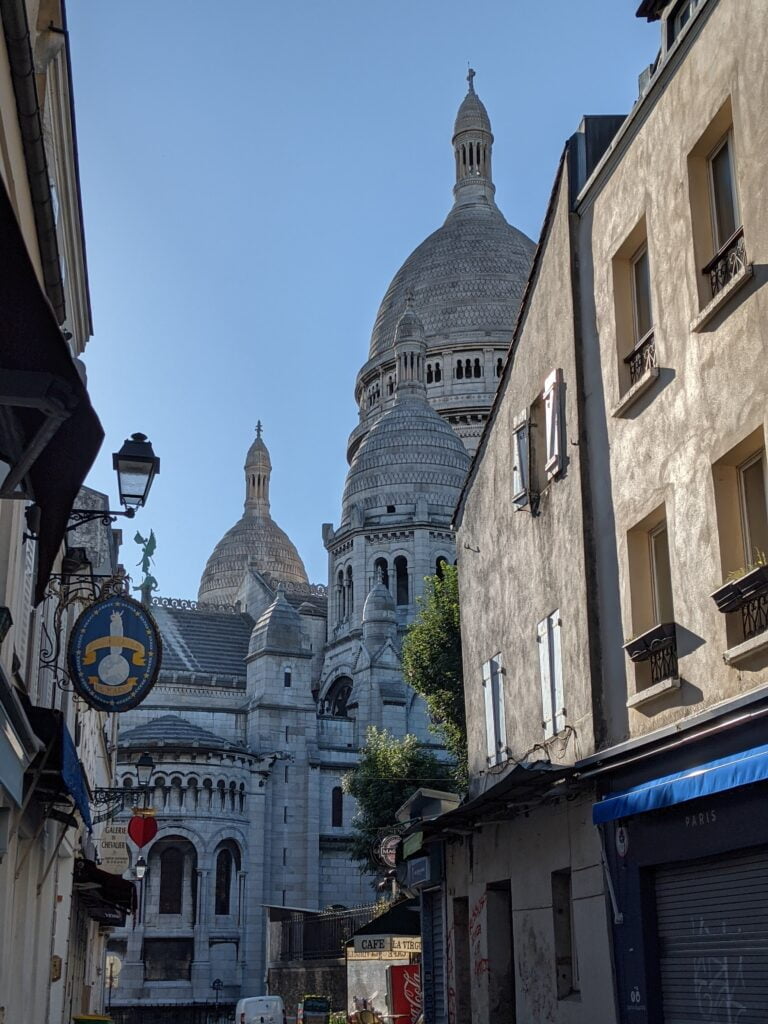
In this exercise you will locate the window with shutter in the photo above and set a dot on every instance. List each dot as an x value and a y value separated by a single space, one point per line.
550 666
490 729
495 720
553 389
521 459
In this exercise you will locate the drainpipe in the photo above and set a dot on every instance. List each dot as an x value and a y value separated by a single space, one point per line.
16 30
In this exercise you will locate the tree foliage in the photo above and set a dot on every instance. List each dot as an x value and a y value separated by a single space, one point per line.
388 772
432 662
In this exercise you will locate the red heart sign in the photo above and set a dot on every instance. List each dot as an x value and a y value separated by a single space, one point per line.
142 830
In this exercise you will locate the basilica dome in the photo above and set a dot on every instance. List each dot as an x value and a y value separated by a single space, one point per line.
255 541
410 456
469 274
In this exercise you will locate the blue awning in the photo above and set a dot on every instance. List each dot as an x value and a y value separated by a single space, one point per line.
725 773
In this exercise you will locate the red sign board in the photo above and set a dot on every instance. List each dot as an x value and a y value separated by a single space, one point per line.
142 830
405 993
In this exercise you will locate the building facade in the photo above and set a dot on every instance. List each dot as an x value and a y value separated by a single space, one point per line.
54 907
269 683
610 861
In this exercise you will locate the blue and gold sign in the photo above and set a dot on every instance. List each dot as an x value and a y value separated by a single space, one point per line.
114 654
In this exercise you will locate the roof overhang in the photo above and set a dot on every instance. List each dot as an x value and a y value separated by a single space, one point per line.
651 9
49 432
526 785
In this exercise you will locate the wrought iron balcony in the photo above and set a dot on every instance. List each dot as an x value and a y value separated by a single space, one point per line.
728 262
749 595
642 358
659 647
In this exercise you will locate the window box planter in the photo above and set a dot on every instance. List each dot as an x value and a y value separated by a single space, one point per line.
641 648
658 646
734 594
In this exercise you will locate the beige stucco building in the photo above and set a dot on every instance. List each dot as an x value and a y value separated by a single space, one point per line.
610 863
52 936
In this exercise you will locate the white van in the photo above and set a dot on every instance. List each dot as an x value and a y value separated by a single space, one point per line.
260 1010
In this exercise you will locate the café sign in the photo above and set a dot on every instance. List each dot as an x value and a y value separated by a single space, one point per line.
400 945
114 654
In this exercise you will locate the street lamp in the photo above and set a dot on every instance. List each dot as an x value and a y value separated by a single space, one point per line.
144 768
141 868
136 466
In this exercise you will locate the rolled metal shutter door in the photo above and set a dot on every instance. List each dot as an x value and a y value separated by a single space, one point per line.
433 958
713 939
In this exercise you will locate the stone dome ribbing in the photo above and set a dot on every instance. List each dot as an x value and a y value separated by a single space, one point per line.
410 453
469 273
472 115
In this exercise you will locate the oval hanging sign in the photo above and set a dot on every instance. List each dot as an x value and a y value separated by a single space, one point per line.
114 654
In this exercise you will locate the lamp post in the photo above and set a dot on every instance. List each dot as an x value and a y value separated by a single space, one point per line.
136 466
116 795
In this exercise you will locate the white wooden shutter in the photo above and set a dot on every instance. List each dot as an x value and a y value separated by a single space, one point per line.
490 730
500 718
558 692
547 716
553 400
520 459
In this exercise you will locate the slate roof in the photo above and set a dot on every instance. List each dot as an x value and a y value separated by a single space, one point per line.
202 641
174 732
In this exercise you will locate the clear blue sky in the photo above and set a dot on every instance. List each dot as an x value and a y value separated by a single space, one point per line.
253 175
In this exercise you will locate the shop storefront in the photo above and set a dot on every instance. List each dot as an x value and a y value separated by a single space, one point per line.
687 854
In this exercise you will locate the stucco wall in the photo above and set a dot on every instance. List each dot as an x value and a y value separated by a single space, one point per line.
515 567
711 389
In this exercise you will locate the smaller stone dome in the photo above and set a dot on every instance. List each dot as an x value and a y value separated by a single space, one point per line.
278 628
254 541
379 616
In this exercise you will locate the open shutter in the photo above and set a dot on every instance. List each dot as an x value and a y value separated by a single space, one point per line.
490 730
556 669
547 718
553 400
498 695
520 459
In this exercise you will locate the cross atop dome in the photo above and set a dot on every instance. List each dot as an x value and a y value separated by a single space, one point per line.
258 429
470 78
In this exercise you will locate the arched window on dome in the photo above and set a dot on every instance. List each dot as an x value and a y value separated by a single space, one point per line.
464 157
468 368
287 676
499 365
430 376
438 373
478 369
340 595
390 385
401 580
459 370
350 591
337 807
381 564
338 697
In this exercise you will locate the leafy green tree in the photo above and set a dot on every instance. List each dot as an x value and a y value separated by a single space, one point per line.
432 663
388 772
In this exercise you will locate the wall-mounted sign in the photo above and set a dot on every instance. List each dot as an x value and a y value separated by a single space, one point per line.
113 848
401 944
622 840
114 654
388 850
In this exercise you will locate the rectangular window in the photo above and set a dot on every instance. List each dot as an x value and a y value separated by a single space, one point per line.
661 576
722 180
754 516
565 947
495 721
679 18
521 459
285 815
641 294
553 415
551 671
